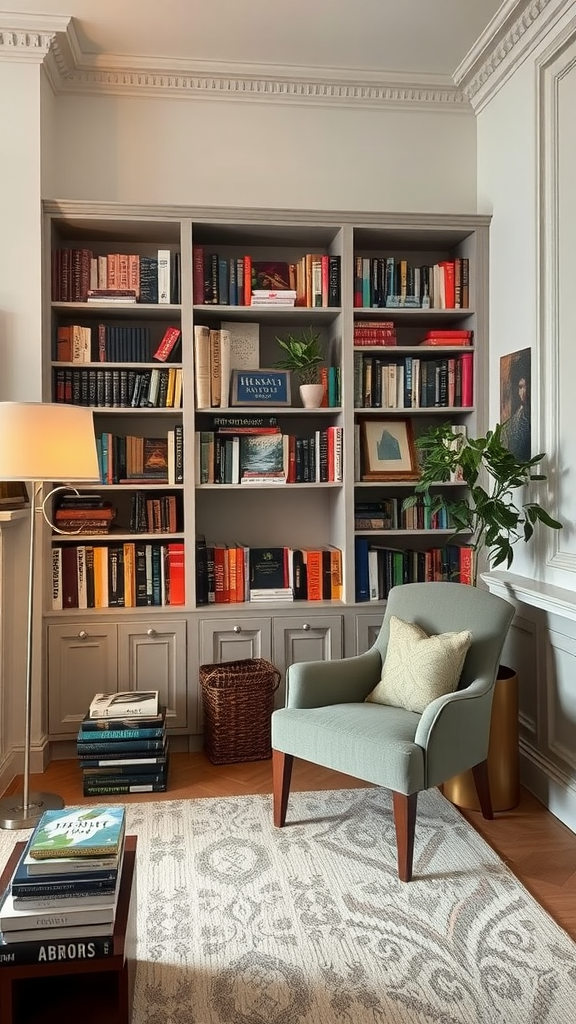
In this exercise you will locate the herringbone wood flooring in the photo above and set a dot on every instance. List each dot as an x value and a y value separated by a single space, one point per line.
536 846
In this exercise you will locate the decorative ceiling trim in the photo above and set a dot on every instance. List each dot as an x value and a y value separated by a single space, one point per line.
69 70
27 38
512 34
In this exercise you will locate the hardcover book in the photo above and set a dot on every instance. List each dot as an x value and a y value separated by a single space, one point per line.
267 568
124 704
79 832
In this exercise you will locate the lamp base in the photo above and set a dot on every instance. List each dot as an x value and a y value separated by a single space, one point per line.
13 814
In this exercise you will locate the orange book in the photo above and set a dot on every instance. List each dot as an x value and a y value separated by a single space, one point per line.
313 557
449 283
64 342
247 281
176 573
129 576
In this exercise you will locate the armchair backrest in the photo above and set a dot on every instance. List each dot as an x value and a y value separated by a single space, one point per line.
451 607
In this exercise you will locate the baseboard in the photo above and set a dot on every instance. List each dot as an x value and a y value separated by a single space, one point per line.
8 769
553 788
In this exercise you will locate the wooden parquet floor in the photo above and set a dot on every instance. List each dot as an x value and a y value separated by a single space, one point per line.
537 847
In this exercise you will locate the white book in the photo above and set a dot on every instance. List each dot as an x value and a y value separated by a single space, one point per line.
202 366
244 345
164 275
124 704
68 865
16 919
81 573
373 573
215 369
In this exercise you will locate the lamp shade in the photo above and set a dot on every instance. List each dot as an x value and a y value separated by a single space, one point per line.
43 441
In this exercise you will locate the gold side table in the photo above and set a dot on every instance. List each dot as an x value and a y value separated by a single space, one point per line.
503 758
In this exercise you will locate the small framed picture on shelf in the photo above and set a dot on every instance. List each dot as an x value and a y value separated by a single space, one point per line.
387 449
261 387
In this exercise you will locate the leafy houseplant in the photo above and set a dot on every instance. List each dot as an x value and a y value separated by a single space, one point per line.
303 355
488 514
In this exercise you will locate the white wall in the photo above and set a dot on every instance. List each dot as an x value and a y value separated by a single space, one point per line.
232 153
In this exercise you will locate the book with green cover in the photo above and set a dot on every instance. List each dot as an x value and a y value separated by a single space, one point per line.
79 832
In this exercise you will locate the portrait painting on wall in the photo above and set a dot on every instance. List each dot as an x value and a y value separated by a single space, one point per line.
515 413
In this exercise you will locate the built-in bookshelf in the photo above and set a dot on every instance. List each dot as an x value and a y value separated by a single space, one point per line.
399 305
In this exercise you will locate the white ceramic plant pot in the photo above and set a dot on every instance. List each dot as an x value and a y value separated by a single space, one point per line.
311 395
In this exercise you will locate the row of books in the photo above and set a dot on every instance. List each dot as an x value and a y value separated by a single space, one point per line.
228 573
118 389
412 382
389 282
313 280
378 568
62 898
388 514
80 275
107 343
122 744
131 458
128 575
269 458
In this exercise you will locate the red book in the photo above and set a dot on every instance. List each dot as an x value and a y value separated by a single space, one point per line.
176 572
467 379
325 280
448 332
449 289
467 565
171 336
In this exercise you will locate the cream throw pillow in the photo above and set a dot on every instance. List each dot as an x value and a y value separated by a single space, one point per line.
418 668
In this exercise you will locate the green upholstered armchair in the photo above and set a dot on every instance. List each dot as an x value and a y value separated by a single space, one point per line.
327 721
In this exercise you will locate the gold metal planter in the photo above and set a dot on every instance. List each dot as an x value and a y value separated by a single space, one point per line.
503 763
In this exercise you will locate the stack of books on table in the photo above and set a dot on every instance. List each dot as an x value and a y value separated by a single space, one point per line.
62 898
122 745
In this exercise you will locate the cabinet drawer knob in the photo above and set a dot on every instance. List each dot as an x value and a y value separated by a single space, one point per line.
151 632
82 634
306 627
237 629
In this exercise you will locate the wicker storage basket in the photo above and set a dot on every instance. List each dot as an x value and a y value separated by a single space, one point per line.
238 700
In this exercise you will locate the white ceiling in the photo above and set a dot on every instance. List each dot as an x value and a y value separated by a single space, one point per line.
429 37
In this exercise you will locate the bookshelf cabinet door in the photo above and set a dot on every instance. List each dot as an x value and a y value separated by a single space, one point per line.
367 629
305 637
152 656
232 639
82 661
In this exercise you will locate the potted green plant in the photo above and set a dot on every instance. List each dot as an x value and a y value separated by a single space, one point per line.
303 355
487 511
493 520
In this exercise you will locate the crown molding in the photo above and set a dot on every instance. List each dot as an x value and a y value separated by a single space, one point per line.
512 34
27 38
54 42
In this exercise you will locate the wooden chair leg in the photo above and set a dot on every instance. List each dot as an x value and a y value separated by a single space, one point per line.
405 822
481 781
281 775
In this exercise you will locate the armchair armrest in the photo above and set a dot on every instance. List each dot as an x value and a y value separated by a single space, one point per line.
312 684
454 731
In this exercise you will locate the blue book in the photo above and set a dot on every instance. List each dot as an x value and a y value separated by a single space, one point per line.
119 747
362 575
89 734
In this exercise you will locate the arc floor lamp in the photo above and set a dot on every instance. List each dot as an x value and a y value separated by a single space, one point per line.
40 442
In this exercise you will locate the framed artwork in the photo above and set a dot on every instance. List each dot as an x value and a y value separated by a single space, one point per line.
261 387
515 412
387 450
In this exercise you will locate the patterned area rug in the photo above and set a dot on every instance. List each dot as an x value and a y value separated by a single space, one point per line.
242 923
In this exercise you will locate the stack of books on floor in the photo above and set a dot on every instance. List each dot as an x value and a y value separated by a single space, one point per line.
122 745
61 901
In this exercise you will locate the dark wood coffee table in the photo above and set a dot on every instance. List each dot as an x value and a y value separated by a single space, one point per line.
90 991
